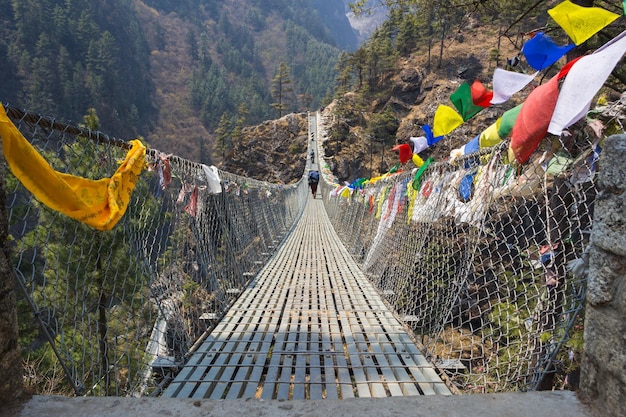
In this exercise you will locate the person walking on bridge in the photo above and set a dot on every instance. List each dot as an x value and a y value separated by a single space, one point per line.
314 179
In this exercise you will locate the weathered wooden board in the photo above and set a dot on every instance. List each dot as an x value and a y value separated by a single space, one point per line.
310 326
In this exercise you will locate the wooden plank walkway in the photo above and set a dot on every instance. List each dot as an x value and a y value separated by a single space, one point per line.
310 326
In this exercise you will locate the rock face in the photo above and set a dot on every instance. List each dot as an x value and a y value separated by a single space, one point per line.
603 378
409 90
334 14
274 151
365 24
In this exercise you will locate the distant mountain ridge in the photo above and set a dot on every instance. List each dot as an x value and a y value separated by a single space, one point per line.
365 24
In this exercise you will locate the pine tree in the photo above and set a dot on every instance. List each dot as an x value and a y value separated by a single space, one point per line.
222 141
344 76
281 89
242 113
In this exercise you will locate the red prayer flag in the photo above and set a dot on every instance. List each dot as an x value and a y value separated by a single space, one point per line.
533 120
404 151
480 95
192 206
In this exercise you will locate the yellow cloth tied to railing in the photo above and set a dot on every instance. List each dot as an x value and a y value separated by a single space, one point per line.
97 203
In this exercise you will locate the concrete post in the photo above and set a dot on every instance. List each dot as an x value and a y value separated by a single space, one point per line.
603 378
11 384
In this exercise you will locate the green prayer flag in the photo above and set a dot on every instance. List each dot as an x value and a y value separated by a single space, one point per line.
462 100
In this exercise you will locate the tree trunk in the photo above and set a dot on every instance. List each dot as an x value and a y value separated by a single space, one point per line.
11 384
443 35
104 347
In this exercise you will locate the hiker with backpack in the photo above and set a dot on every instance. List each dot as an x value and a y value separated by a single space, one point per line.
314 179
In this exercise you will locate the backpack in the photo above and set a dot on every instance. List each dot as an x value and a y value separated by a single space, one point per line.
314 177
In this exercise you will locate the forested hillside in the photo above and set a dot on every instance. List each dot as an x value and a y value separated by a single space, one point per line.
393 84
169 70
60 58
193 77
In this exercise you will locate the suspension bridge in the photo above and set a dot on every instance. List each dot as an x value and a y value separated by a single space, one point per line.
259 290
310 326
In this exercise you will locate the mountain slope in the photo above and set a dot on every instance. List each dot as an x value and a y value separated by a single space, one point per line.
371 114
167 70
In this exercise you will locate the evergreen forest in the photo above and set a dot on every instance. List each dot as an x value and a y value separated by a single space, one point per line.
168 70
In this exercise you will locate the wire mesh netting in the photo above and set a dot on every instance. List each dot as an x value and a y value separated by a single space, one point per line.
483 261
115 313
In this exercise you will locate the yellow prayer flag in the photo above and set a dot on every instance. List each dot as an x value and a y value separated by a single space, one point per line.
489 137
97 203
381 199
411 195
446 120
417 160
581 23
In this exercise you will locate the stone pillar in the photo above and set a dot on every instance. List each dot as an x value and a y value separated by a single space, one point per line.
11 384
603 378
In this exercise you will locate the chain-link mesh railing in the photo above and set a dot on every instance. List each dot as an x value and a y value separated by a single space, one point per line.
116 312
485 262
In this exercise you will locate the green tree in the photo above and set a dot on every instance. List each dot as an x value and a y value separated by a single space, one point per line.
89 282
281 89
223 136
408 34
242 113
381 56
359 63
383 126
344 75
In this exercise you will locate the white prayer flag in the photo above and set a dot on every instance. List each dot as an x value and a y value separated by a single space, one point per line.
506 83
583 81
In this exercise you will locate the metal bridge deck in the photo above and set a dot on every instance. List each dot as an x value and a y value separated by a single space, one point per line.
310 326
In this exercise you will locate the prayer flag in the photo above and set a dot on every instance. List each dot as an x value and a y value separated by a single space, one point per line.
165 170
97 203
192 206
418 175
532 123
419 143
581 23
506 83
213 178
480 95
489 137
508 121
541 51
404 152
471 146
467 186
463 101
417 160
184 190
446 120
584 79
430 137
